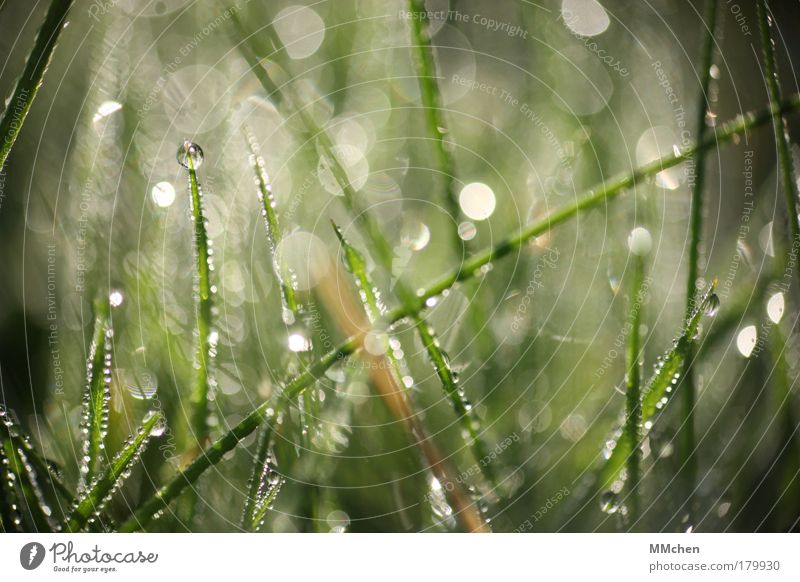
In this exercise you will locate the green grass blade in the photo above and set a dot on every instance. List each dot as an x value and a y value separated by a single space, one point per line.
464 411
264 485
658 389
431 103
31 79
97 394
686 437
10 518
779 126
370 298
229 440
660 386
356 264
23 498
633 372
291 307
191 156
37 510
99 493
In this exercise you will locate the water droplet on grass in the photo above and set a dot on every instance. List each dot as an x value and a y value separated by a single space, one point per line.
712 305
467 230
190 155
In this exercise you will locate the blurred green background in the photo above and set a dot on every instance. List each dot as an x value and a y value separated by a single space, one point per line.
539 106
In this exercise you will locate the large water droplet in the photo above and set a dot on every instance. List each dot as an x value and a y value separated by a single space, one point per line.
712 305
609 503
467 230
190 152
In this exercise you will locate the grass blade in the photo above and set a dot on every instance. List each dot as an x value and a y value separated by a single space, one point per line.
370 297
431 103
97 394
291 307
20 481
656 394
10 519
31 79
212 455
632 428
99 493
190 156
779 125
265 484
686 434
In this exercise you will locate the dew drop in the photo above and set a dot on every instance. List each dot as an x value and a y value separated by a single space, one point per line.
467 230
190 155
609 502
712 305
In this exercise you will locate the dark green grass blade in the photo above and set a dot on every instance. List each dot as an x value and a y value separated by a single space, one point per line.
633 372
686 437
779 126
99 493
31 79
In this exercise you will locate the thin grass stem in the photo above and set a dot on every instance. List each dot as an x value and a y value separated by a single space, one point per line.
633 373
780 127
434 121
686 437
